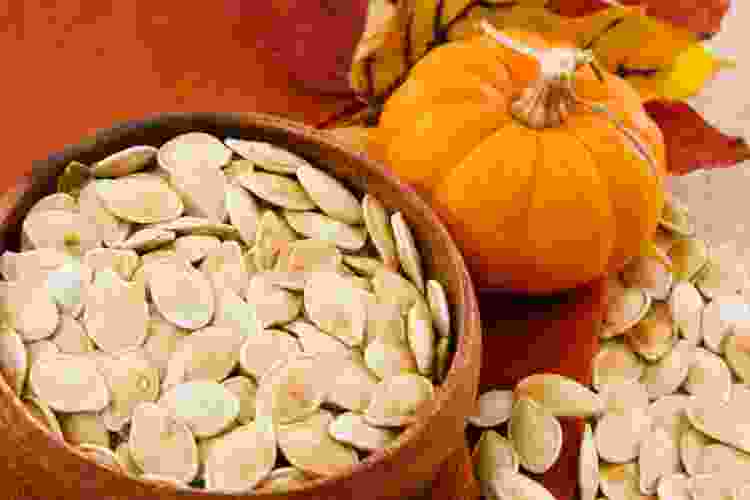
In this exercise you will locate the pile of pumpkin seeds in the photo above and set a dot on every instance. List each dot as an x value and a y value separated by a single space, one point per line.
220 315
668 412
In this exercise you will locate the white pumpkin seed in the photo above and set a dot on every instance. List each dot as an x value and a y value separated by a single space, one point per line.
351 429
709 376
658 457
421 335
384 321
654 336
192 151
741 492
237 168
379 228
199 226
162 341
141 198
674 487
195 247
84 428
336 307
202 190
28 308
116 312
438 302
409 257
146 240
14 365
718 458
315 341
111 229
55 201
625 310
668 412
225 267
322 227
675 217
126 459
493 408
720 421
737 355
81 389
619 435
620 481
396 400
245 390
509 484
132 380
362 265
721 276
243 210
334 199
40 349
624 395
536 435
163 480
207 407
210 353
266 155
393 289
160 444
233 312
272 238
71 338
309 255
31 264
561 396
125 162
670 372
588 465
259 352
688 256
686 305
720 316
69 285
42 413
282 480
649 274
102 456
278 190
712 487
692 444
616 362
275 305
492 454
182 294
68 232
388 358
124 262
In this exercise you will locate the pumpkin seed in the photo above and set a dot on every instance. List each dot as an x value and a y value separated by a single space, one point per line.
717 279
245 390
351 429
199 226
243 210
259 352
674 487
208 408
273 238
719 458
309 255
28 308
126 459
619 435
295 385
615 362
687 306
278 190
225 267
670 372
692 444
81 389
125 162
395 400
275 305
536 435
438 302
334 199
654 336
162 341
56 201
620 481
492 454
624 395
102 456
123 262
709 376
31 264
741 492
147 239
322 227
161 444
111 229
688 257
84 428
182 294
202 190
384 322
406 247
69 285
141 198
712 487
14 365
116 312
668 412
421 335
387 358
737 354
658 457
210 353
379 228
675 217
193 151
315 341
720 421
42 413
588 465
232 312
509 484
649 274
362 265
71 338
393 289
39 349
132 380
624 311
720 316
336 307
493 408
236 168
559 395
68 232
353 386
283 479
266 155
74 177
195 247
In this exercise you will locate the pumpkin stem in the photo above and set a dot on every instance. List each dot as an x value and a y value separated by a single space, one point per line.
548 101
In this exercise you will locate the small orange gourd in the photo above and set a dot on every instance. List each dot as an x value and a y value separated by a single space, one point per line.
547 173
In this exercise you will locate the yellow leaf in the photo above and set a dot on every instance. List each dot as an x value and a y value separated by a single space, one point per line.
687 75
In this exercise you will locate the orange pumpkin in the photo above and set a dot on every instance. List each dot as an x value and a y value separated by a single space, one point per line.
546 175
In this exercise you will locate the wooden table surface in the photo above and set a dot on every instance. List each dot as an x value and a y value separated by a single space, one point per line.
75 66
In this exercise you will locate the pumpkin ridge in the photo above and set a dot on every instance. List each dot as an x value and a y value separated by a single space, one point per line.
532 185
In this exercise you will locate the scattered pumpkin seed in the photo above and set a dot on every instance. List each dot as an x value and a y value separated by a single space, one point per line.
654 336
687 306
202 191
395 400
199 226
692 444
421 335
492 454
126 459
74 177
588 465
619 435
272 238
737 354
709 376
275 305
624 395
559 395
71 338
616 362
31 264
668 374
315 341
493 408
283 479
649 274
658 457
509 484
719 421
675 217
674 487
625 310
536 435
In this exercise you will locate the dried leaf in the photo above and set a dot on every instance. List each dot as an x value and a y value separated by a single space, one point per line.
692 143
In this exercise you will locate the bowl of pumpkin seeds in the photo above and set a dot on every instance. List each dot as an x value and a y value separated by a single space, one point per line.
197 304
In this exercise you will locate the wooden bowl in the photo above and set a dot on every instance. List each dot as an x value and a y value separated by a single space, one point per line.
35 464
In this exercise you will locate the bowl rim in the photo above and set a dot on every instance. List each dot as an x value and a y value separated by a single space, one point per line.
467 340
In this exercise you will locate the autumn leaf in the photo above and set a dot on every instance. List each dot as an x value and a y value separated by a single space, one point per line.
702 17
691 143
